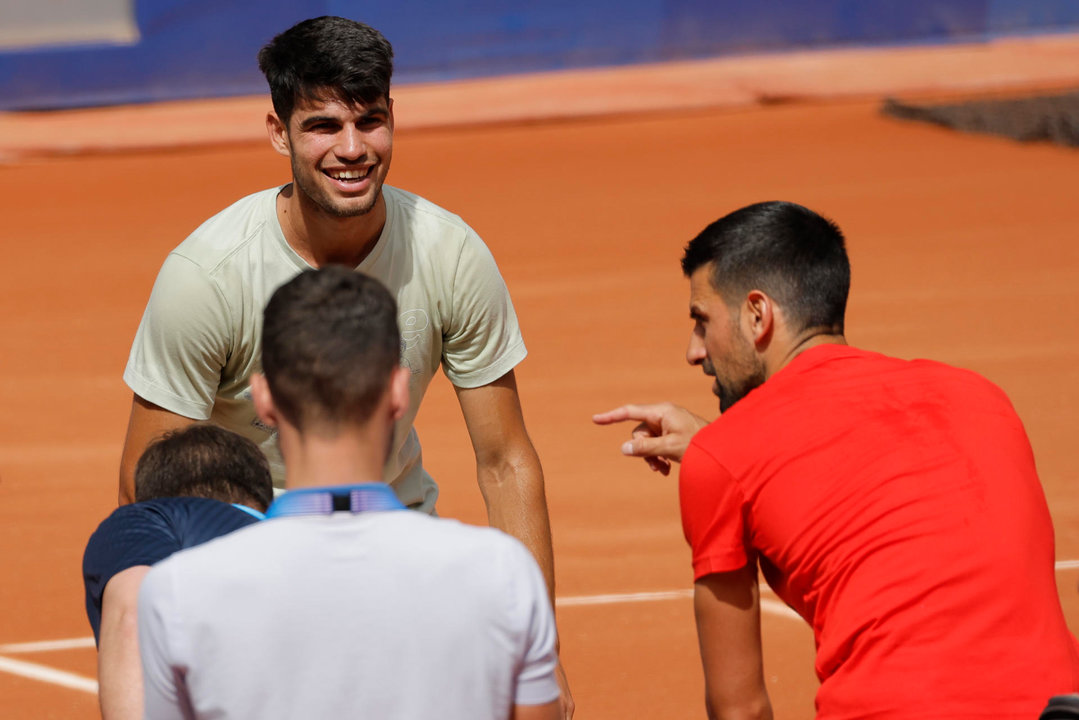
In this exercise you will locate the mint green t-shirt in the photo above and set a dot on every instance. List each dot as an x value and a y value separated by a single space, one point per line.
199 340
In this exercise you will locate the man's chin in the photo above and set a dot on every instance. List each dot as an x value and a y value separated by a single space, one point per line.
350 212
727 396
344 207
354 208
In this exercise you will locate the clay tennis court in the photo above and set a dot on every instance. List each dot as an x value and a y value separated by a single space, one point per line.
963 250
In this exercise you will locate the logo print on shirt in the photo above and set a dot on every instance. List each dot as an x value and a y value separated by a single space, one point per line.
414 325
248 397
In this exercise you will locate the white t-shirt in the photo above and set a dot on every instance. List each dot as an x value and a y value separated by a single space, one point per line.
200 337
376 615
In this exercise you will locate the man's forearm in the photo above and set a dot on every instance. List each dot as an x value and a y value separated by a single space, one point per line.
119 671
513 491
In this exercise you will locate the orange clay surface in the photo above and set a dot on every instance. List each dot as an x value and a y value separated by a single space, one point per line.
963 249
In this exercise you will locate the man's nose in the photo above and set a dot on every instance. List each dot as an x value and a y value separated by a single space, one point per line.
351 145
695 353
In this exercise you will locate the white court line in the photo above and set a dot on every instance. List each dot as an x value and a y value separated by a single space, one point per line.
622 598
45 646
77 682
768 605
48 674
776 607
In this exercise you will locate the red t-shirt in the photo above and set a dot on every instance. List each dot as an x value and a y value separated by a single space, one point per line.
896 507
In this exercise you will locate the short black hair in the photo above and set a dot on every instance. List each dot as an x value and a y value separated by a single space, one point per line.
330 342
204 460
326 57
785 250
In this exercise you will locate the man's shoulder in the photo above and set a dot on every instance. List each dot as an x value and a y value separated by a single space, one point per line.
220 236
884 374
212 547
410 202
461 543
144 533
148 513
176 515
184 507
422 220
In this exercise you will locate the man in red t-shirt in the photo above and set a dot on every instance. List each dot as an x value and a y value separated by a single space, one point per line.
893 504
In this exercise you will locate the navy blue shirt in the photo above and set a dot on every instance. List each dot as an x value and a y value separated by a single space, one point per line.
146 532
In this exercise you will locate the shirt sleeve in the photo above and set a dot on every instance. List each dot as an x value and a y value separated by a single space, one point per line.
183 341
712 514
132 535
481 341
160 633
536 682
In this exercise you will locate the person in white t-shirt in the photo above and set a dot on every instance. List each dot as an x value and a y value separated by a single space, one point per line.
198 343
343 604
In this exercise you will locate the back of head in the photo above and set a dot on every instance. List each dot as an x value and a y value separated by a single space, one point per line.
206 461
329 346
785 250
323 58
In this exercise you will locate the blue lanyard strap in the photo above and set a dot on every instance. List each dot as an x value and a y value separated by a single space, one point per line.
359 498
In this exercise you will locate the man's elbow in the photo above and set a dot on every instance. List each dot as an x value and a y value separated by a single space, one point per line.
758 708
510 466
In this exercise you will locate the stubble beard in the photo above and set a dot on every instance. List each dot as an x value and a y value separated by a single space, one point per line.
750 375
321 197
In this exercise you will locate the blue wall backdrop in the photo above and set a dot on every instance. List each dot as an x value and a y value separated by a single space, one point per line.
206 48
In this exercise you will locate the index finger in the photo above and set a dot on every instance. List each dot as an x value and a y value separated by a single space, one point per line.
640 413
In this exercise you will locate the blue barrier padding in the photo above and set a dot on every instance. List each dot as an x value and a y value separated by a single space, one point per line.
469 39
1009 17
187 48
732 26
207 48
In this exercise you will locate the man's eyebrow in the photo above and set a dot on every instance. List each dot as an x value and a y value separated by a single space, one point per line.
316 119
375 113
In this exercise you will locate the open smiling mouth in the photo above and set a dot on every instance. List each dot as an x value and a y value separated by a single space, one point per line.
349 176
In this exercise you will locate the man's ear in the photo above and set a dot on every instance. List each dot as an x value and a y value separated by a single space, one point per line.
760 317
399 396
263 400
278 133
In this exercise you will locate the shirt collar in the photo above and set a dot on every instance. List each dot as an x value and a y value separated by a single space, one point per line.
363 497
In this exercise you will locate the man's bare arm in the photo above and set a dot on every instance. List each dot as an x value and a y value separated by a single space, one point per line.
119 672
511 479
508 468
147 421
728 611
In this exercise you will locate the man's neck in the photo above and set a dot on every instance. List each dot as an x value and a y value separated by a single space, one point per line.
797 345
323 239
346 458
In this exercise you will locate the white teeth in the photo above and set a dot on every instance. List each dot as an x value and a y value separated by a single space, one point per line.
347 175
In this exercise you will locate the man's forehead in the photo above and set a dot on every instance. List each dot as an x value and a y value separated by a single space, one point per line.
329 102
